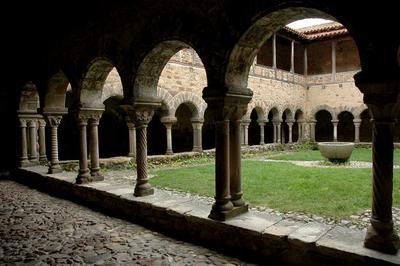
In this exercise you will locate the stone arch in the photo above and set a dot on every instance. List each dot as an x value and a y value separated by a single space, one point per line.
91 89
345 127
260 108
323 107
350 109
194 102
247 47
112 86
149 71
55 96
288 113
276 113
29 100
358 110
165 97
323 126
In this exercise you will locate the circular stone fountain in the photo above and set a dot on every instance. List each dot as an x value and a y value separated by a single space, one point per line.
337 152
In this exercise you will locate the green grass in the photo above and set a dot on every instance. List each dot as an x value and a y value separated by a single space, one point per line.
358 154
331 192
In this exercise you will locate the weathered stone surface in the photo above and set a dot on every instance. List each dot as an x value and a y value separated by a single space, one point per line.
308 233
342 241
254 221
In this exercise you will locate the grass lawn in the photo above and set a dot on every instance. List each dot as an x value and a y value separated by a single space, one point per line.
358 154
331 192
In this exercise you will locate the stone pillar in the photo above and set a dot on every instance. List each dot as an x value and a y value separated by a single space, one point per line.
168 121
228 110
274 51
83 175
197 125
54 122
33 157
262 137
274 131
94 147
132 139
333 60
305 62
223 204
279 133
23 160
141 112
290 126
42 141
335 123
357 123
242 134
381 98
235 164
312 130
245 124
292 57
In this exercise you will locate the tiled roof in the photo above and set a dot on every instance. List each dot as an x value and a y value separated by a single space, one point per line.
319 32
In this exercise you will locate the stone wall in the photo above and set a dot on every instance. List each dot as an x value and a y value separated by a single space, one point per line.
272 88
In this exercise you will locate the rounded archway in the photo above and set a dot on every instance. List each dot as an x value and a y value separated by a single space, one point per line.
345 128
323 127
182 130
254 129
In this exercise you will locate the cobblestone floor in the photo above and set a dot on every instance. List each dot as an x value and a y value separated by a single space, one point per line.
37 229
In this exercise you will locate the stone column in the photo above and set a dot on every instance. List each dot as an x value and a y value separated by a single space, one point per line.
262 126
305 62
228 110
42 141
235 165
245 124
141 112
94 147
333 60
290 127
197 125
312 130
83 175
132 139
274 51
33 157
357 123
381 97
168 121
54 122
335 123
292 57
278 133
274 131
23 160
242 134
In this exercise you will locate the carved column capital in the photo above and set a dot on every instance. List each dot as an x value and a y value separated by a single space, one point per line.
23 122
32 123
168 120
42 123
85 115
229 106
140 112
54 120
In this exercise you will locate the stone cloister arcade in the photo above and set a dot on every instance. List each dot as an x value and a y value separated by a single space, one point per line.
227 50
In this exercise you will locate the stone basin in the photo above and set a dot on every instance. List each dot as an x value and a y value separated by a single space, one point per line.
336 151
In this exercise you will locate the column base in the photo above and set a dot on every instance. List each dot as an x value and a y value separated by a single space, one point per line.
387 242
141 192
197 149
55 168
131 155
83 177
97 177
24 163
34 162
169 152
219 215
43 159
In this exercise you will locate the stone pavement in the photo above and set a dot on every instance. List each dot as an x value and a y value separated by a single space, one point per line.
37 229
263 236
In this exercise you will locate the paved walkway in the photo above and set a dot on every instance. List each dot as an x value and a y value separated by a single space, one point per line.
38 229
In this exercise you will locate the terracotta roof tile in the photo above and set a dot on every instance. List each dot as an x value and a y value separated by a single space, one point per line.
319 32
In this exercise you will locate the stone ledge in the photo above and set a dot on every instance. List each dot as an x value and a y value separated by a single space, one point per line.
253 236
